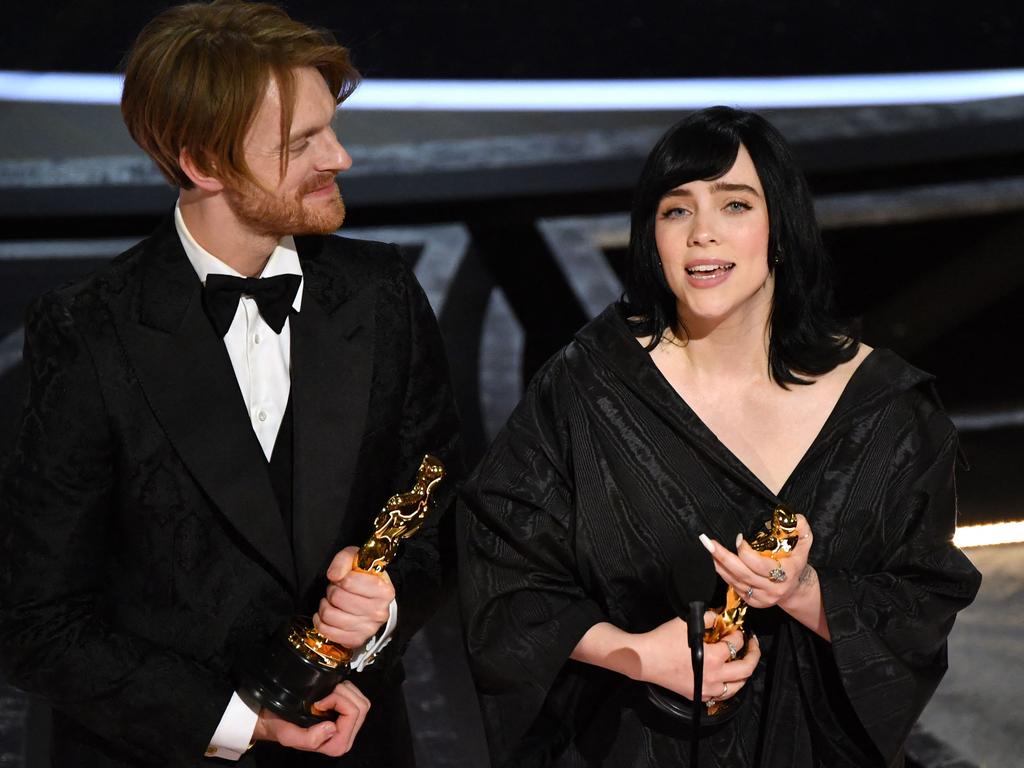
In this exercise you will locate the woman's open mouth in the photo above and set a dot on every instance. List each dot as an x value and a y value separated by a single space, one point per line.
708 271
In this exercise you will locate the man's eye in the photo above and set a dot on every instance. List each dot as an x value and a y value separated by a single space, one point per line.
298 147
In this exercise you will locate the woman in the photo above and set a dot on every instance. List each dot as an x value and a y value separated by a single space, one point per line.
720 386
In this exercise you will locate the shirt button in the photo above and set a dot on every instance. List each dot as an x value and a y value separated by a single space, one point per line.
256 339
261 415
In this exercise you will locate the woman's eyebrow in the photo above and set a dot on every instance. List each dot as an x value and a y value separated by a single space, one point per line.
724 186
717 186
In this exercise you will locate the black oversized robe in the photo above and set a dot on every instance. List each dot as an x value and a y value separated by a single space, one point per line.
588 506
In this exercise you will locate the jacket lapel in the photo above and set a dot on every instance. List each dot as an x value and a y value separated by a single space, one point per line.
188 380
332 366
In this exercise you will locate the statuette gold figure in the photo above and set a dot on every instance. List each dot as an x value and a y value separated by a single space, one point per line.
776 542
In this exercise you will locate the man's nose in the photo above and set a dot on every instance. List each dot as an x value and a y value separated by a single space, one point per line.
335 157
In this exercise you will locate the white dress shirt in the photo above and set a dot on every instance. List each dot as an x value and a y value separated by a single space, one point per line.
261 359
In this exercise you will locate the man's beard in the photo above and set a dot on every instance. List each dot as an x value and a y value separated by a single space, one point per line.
268 214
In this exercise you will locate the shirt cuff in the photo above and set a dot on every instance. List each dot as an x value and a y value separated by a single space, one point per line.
233 736
377 643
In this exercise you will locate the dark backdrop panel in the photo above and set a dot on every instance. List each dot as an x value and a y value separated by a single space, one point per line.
468 39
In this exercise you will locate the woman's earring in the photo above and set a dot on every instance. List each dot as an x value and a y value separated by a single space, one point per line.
777 256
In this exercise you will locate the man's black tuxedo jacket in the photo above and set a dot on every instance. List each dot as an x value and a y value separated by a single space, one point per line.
141 545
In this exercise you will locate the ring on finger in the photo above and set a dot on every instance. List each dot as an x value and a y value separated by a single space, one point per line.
725 691
750 592
733 652
777 574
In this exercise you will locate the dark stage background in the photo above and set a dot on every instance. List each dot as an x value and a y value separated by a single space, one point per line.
574 39
515 222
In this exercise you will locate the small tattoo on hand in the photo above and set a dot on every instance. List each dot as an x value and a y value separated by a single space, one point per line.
807 576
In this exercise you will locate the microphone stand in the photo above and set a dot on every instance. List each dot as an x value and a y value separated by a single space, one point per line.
695 637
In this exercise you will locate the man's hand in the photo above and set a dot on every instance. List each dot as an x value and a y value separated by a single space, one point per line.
356 604
332 739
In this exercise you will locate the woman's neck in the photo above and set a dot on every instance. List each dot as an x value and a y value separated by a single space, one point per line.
735 349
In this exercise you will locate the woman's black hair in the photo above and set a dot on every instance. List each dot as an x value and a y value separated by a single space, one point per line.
805 336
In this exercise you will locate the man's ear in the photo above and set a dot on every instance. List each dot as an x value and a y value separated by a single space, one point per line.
200 178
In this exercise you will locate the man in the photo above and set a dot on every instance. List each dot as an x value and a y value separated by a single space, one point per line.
196 451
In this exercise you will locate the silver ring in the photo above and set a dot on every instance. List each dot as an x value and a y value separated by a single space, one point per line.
750 592
725 690
777 575
733 653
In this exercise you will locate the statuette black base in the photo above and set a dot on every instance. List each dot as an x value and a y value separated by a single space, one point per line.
283 680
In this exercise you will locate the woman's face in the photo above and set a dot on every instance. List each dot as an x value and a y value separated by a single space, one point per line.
712 237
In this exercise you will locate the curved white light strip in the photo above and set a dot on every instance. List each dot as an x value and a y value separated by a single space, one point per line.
992 533
592 95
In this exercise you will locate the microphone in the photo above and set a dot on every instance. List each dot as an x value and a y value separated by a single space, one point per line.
691 587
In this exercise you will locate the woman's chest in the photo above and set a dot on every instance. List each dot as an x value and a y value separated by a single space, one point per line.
641 502
768 430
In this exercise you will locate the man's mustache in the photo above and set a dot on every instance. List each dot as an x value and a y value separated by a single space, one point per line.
317 182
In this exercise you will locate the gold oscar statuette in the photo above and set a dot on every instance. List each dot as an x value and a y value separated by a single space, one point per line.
403 515
301 666
776 542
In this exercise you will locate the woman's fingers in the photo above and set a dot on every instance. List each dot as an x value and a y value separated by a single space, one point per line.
734 674
750 572
724 692
730 563
742 578
763 565
729 648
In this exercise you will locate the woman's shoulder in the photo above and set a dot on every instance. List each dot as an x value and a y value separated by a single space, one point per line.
907 395
595 350
839 377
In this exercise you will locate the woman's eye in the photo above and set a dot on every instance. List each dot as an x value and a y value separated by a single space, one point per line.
736 206
673 213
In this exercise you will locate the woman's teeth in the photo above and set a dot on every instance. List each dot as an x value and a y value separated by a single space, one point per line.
708 271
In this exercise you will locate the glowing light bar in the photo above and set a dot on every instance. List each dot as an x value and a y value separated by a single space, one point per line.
592 95
986 535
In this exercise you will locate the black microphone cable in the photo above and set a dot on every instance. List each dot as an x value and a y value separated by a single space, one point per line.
695 637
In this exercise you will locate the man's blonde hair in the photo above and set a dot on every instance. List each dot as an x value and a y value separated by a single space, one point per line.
197 74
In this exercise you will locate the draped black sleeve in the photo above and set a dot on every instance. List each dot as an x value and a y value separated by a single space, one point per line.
524 607
889 624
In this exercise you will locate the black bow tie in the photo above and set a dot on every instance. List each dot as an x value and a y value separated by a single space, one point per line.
273 296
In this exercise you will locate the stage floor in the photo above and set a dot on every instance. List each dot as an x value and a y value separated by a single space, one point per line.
977 709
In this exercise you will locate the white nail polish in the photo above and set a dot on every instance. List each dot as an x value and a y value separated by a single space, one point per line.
708 544
739 540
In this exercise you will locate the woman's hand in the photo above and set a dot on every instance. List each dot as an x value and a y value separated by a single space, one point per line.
796 591
665 660
662 657
749 572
